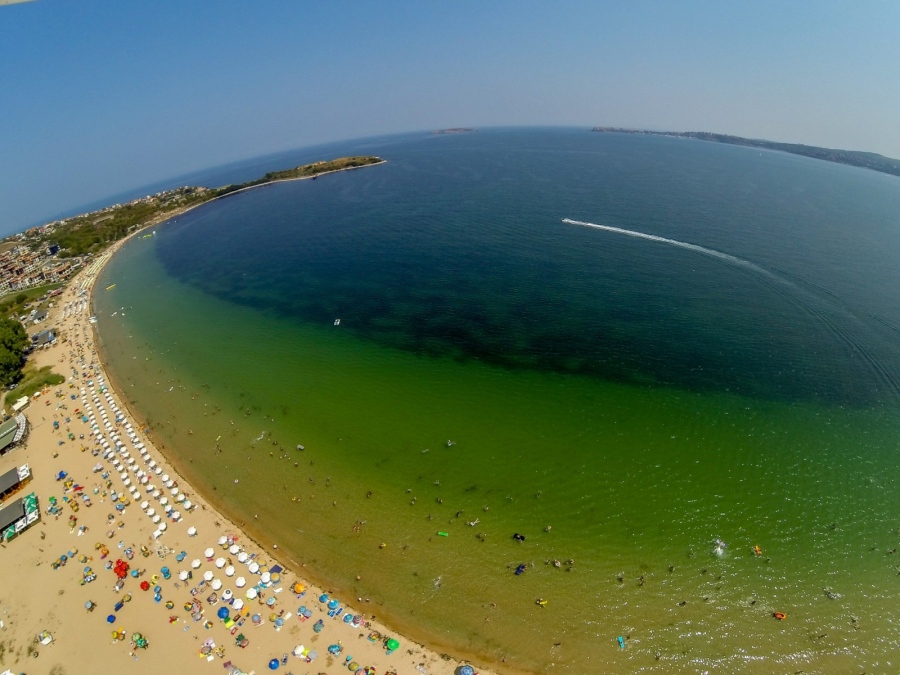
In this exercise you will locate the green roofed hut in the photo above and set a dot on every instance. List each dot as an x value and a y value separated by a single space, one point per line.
17 516
12 431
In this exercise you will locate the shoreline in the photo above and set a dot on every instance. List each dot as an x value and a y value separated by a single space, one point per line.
47 451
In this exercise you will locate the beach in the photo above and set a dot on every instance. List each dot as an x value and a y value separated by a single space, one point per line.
122 510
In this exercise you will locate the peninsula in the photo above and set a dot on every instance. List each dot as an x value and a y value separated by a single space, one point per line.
91 233
865 160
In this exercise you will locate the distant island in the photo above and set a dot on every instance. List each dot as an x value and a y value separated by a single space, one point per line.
866 160
454 130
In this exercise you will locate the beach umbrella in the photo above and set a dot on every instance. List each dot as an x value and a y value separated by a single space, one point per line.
234 549
144 504
392 644
164 501
168 483
229 571
273 664
155 519
220 562
238 604
270 601
222 613
188 505
192 531
332 604
226 594
183 575
195 563
111 618
176 516
279 622
208 575
126 482
223 540
158 470
151 464
253 567
242 556
240 582
465 670
175 492
216 584
251 593
265 577
312 655
162 527
165 477
151 512
209 553
144 480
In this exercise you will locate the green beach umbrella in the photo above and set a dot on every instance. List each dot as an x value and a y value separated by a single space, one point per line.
392 644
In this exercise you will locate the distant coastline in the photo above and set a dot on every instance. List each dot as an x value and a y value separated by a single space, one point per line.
454 130
865 160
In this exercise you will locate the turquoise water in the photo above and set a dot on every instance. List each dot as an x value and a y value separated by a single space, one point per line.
640 398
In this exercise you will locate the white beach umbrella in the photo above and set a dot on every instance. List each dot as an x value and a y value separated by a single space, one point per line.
216 584
234 549
240 582
238 604
208 575
152 464
165 477
151 512
192 531
156 493
265 577
174 492
183 575
222 540
123 475
227 594
145 479
229 571
251 593
220 562
253 567
188 505
242 556
126 482
209 553
176 516
144 504
155 519
164 501
157 470
179 498
163 526
195 563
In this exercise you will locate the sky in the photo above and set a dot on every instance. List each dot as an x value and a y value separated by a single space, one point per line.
97 98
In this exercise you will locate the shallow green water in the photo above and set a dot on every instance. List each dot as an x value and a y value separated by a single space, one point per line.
640 399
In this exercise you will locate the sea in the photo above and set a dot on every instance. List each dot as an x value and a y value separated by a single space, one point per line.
520 393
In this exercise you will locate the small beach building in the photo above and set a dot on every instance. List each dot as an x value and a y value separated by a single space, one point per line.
13 480
45 337
12 431
40 316
18 516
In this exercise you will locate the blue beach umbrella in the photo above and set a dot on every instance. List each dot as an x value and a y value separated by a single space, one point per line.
111 618
332 604
323 597
222 613
273 664
465 670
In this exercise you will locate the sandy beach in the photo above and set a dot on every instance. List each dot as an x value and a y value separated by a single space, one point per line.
213 597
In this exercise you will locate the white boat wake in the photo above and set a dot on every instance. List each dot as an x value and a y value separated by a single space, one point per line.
682 244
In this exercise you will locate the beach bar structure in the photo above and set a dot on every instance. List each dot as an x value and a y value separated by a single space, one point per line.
17 516
13 480
12 431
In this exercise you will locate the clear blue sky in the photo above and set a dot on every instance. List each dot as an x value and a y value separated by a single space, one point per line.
101 97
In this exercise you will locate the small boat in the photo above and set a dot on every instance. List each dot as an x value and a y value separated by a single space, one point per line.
337 322
110 286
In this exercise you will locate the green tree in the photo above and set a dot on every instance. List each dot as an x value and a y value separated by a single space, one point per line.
13 340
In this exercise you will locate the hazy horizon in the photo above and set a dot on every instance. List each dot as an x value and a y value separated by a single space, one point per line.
101 100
